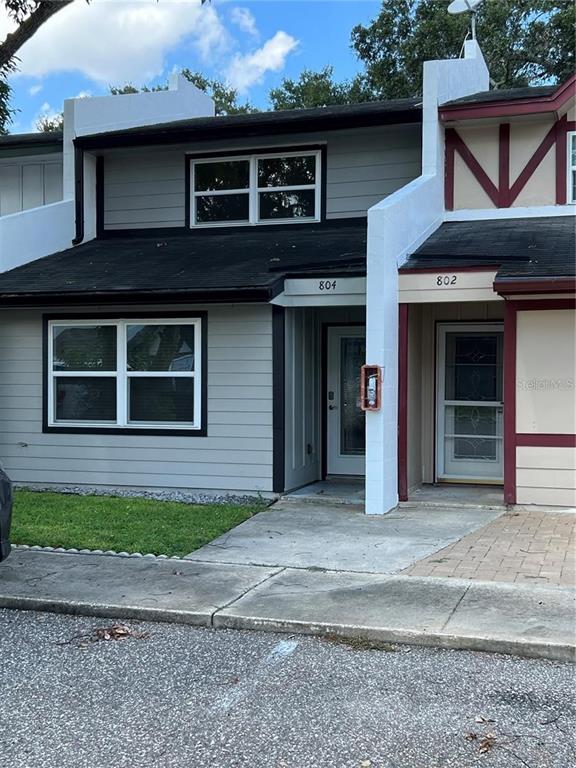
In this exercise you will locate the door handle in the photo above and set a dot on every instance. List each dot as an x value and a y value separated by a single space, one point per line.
332 407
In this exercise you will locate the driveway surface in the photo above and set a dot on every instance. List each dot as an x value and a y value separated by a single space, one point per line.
343 538
185 697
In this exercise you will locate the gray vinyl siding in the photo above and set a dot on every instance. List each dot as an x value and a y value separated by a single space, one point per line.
145 188
235 456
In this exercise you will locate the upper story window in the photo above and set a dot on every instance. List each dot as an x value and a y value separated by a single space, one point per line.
256 189
572 167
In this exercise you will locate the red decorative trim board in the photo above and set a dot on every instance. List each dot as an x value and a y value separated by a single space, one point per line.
510 403
545 441
504 165
504 195
506 287
403 401
529 106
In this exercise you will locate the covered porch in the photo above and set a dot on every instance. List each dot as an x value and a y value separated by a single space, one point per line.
319 425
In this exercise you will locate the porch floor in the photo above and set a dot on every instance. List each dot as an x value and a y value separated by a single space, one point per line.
461 495
335 490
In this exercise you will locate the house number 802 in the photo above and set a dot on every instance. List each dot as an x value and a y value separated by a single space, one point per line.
327 285
446 280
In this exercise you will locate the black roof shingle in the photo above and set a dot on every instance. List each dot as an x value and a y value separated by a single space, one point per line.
244 262
527 248
507 94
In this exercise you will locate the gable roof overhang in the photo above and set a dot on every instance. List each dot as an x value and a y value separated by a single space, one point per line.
530 255
223 265
512 103
363 115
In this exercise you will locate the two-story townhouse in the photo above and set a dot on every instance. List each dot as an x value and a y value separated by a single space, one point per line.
211 335
230 276
487 320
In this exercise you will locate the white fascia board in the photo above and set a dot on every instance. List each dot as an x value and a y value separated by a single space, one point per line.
486 214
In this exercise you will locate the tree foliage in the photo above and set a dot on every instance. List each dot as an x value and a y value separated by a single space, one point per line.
524 42
314 89
48 124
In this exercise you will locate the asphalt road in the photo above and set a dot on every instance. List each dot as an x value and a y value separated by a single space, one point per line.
188 698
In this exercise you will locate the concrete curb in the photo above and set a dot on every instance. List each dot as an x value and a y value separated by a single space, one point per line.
108 552
526 649
107 610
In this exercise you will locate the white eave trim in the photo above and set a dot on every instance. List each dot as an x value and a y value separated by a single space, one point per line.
485 214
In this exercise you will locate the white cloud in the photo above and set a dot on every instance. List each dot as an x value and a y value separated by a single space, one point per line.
248 69
113 41
244 20
34 90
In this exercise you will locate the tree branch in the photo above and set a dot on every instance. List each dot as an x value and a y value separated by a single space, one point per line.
15 40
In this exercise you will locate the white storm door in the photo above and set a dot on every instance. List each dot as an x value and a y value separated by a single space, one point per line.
469 423
345 434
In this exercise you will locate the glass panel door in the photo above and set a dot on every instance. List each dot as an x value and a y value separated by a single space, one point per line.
470 410
345 419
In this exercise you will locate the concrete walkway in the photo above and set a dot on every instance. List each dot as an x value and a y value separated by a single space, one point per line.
343 538
451 613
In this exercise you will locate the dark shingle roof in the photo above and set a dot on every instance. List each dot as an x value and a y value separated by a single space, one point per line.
247 261
40 137
508 94
262 123
527 248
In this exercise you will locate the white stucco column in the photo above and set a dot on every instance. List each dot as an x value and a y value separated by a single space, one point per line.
397 226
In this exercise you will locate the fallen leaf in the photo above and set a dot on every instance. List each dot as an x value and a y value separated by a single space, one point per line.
471 736
486 743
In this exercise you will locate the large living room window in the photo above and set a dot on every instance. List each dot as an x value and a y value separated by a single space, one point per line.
130 373
256 189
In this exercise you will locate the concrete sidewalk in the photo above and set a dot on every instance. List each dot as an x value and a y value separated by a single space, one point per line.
450 613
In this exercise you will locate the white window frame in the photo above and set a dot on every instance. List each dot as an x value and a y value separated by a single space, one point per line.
253 190
123 376
570 186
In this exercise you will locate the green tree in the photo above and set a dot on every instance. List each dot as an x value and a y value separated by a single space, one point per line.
47 124
525 42
315 89
225 98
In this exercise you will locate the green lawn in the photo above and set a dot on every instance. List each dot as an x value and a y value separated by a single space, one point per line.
124 525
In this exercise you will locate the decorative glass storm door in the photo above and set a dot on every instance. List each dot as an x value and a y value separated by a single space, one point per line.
345 434
470 410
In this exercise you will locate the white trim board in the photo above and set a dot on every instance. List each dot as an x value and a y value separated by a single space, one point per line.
485 214
444 285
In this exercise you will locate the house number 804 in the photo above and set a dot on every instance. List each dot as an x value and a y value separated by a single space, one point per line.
446 280
327 285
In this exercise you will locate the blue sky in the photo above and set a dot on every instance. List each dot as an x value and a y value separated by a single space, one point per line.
251 45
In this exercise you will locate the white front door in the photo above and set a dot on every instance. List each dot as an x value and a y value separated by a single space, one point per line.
345 434
469 424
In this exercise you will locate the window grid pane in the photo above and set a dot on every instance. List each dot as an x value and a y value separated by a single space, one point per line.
166 355
222 175
280 188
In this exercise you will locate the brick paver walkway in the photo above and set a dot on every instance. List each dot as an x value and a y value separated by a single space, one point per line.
522 547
